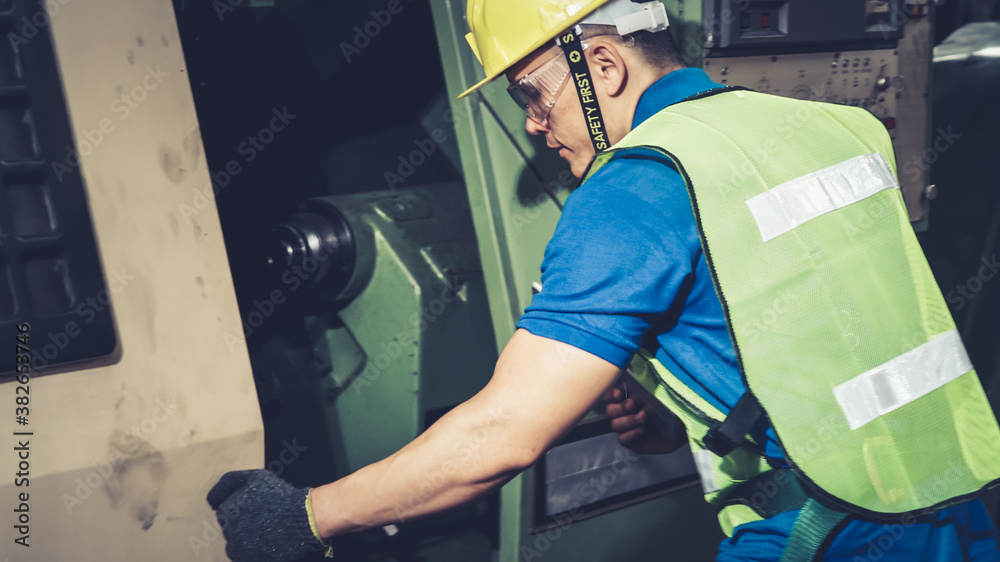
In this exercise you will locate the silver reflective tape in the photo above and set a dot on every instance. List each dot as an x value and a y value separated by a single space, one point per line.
704 461
904 379
798 201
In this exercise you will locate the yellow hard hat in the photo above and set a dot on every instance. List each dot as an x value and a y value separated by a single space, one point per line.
502 32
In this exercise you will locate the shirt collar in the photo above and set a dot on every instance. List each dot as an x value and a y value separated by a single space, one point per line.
670 89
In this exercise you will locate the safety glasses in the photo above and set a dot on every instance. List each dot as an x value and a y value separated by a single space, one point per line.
538 90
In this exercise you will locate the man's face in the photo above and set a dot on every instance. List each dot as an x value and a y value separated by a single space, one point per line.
566 128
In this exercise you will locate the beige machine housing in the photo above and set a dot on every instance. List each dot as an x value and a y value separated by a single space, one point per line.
122 454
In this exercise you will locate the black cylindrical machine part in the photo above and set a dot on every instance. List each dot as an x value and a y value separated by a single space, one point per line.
316 245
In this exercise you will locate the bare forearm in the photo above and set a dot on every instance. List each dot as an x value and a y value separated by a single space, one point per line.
479 445
464 455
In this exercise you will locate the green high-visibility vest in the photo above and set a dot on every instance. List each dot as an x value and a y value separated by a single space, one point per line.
840 330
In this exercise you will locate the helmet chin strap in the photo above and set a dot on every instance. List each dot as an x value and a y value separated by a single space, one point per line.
579 73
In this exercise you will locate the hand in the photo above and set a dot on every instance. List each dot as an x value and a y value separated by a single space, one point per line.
263 518
629 422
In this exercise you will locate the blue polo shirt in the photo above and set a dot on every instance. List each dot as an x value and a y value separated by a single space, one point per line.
626 263
625 267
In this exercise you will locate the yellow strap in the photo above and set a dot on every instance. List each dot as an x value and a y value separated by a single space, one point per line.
312 524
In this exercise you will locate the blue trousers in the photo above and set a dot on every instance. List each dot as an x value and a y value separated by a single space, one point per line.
962 533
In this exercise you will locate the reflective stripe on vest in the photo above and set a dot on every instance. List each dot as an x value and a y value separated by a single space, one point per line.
792 203
902 380
835 317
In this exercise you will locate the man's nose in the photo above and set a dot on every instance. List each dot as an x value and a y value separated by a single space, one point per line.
536 128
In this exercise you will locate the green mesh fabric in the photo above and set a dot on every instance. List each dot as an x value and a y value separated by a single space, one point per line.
835 297
739 466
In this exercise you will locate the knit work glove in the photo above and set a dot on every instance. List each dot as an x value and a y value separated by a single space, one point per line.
264 518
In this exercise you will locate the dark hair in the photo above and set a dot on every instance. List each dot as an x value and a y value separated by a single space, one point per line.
658 48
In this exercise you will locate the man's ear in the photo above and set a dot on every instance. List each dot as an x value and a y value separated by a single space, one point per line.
608 67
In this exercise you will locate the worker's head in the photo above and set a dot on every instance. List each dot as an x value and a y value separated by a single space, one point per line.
626 47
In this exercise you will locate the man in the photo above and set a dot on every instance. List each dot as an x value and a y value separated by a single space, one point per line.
627 270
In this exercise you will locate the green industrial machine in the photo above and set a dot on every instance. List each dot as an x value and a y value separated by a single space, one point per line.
410 340
385 324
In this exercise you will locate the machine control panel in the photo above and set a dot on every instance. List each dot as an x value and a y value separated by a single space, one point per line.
868 79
